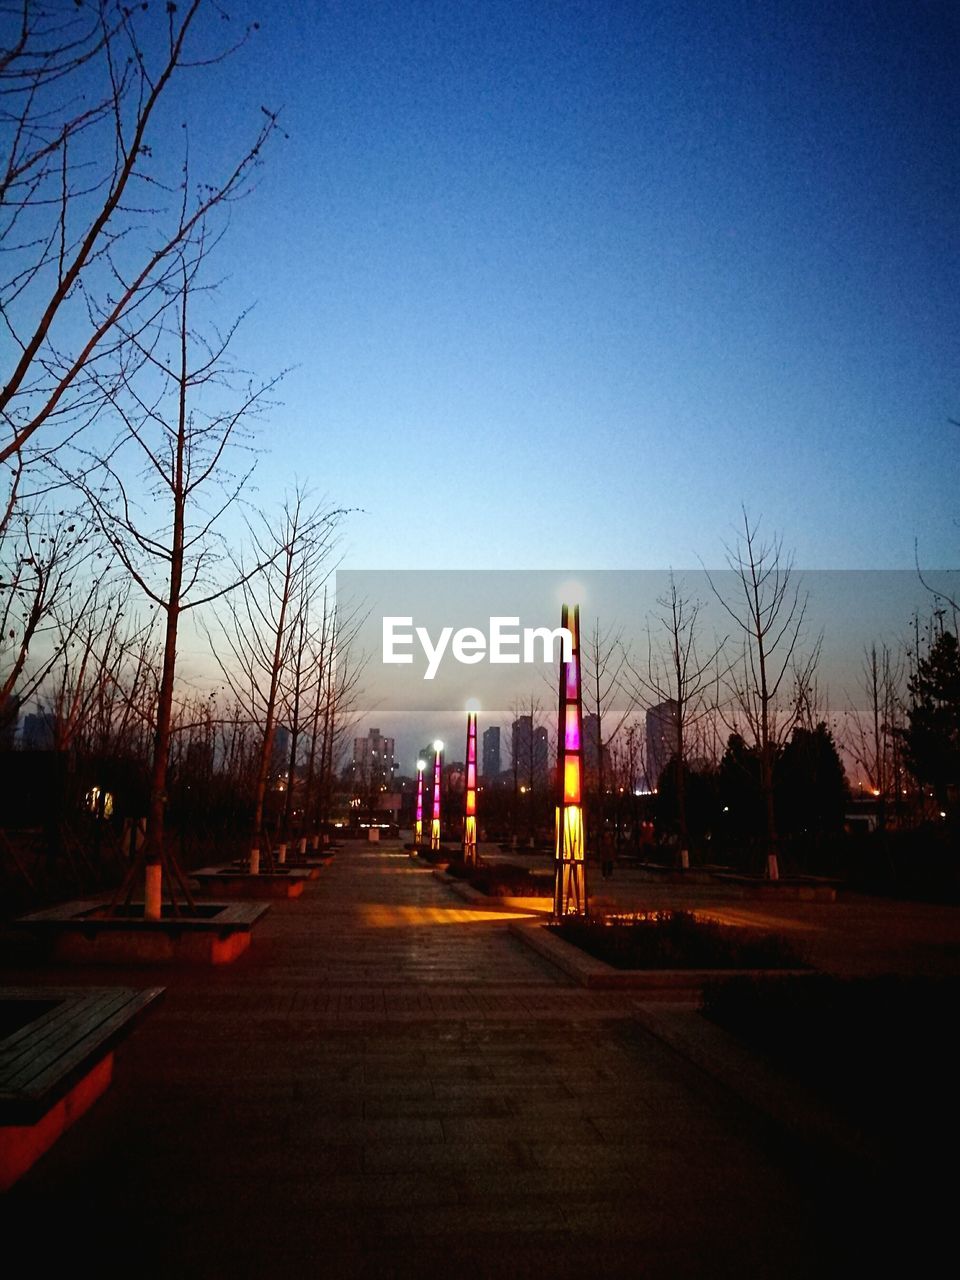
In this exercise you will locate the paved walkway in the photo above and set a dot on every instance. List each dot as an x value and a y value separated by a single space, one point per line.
389 1084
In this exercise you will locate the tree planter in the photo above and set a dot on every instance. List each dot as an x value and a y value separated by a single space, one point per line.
658 873
537 906
313 862
82 933
786 889
672 984
239 882
311 869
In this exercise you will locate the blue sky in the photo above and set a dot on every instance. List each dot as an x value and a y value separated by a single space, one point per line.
639 262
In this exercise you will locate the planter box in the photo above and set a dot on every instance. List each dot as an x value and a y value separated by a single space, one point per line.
659 874
493 902
788 889
81 933
56 1059
312 867
314 862
237 882
677 984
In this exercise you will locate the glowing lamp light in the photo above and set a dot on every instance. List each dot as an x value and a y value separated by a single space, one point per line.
571 780
571 736
570 882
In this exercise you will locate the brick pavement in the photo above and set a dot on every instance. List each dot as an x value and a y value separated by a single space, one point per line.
389 1084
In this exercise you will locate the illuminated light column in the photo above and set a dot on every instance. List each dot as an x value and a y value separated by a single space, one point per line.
470 789
435 822
570 884
418 825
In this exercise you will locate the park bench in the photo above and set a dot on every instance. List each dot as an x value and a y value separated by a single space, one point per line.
56 1059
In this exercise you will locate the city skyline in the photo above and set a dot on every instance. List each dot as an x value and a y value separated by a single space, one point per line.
847 611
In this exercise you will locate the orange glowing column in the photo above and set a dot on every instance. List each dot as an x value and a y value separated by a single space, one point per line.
470 793
437 774
570 884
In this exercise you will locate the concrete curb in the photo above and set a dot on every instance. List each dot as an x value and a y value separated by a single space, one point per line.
597 974
535 906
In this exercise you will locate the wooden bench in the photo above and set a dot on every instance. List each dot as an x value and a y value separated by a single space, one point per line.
56 1059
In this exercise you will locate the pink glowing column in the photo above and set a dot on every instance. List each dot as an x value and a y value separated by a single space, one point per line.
418 825
470 793
570 884
435 822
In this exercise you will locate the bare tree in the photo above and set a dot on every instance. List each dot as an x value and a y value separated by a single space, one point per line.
95 204
334 707
768 610
259 625
90 635
43 594
179 419
604 659
677 675
874 738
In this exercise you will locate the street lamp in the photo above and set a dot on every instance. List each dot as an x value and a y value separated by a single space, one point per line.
470 788
435 822
570 884
418 825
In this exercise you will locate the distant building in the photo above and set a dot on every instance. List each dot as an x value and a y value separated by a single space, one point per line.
662 740
374 765
280 753
591 743
37 732
591 751
491 752
9 715
529 746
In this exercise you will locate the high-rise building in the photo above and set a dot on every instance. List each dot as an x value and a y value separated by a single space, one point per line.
529 750
662 739
491 752
38 731
373 764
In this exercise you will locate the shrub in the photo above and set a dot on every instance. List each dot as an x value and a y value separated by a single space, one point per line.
677 940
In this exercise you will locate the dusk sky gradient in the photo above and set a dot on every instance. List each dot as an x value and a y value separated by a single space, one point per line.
565 283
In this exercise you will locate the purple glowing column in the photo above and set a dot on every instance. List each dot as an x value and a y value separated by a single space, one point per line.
418 825
437 773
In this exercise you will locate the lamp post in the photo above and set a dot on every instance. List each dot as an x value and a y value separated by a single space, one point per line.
570 884
470 788
435 822
418 825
